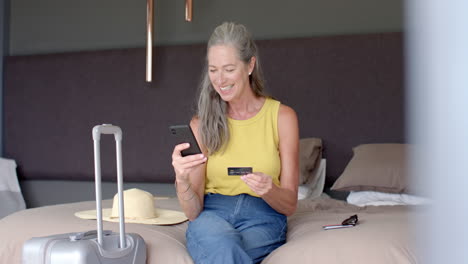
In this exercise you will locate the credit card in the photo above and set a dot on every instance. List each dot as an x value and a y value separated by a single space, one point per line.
239 171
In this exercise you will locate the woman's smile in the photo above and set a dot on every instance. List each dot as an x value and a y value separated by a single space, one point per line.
226 88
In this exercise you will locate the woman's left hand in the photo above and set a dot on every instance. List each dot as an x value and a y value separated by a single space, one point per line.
259 182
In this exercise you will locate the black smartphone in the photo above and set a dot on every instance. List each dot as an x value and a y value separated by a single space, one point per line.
184 134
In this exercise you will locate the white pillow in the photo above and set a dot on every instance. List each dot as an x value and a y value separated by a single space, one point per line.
313 189
10 193
364 198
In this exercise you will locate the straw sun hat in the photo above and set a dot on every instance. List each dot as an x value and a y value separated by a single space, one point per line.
139 207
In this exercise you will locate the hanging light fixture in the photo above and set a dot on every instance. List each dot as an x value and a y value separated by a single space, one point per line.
188 10
149 40
149 33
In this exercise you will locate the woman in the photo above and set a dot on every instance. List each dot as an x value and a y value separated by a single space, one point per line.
237 219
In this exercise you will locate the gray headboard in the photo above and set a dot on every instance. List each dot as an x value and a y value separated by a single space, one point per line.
347 90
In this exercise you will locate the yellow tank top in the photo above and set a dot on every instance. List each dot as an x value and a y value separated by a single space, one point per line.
253 143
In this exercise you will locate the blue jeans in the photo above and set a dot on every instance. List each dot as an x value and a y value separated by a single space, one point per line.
235 229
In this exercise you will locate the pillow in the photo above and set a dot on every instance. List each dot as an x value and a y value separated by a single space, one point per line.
310 154
313 188
376 167
366 198
10 191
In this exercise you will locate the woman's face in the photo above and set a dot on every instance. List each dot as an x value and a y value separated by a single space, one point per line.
228 74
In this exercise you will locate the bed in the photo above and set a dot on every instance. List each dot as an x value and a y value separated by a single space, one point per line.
382 236
348 91
383 233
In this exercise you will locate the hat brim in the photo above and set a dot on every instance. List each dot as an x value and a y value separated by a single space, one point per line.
164 217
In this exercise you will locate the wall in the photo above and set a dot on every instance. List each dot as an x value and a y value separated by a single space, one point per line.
4 27
49 26
41 193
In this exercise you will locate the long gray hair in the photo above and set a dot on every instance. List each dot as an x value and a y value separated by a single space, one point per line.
212 110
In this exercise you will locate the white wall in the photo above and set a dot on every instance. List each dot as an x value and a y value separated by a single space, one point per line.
438 92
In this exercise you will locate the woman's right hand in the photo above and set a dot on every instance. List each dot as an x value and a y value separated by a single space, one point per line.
183 166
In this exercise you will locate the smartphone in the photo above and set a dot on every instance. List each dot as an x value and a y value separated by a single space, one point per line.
184 134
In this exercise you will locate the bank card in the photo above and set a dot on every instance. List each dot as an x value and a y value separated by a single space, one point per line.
239 171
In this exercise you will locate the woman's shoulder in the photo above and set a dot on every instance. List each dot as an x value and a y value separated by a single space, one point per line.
288 123
286 111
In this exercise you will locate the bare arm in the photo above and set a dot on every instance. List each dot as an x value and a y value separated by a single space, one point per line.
190 177
282 198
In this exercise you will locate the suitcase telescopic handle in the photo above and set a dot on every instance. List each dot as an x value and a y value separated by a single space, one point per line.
97 131
107 129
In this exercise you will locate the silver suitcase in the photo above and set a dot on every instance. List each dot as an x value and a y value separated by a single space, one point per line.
96 246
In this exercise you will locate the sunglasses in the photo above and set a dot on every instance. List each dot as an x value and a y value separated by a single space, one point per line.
352 220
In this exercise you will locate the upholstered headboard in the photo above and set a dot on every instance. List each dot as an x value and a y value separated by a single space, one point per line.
347 90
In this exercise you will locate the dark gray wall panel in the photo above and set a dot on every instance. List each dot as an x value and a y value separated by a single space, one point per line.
347 90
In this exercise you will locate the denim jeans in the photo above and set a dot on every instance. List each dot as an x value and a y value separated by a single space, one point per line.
235 229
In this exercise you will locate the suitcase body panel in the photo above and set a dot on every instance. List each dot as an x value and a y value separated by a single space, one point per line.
95 246
58 249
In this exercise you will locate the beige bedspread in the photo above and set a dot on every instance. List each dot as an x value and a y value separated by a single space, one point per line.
383 235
